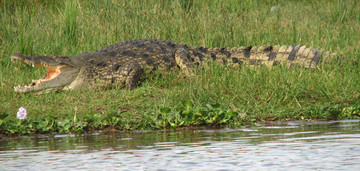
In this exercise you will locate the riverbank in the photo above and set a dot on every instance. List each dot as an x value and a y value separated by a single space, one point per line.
215 95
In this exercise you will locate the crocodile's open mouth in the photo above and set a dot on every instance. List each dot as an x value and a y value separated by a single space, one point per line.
56 76
51 73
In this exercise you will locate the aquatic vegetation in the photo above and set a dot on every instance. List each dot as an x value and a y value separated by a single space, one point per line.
185 115
166 118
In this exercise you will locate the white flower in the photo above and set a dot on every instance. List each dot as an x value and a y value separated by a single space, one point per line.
21 114
272 9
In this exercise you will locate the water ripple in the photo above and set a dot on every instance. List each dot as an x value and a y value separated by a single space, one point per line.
331 145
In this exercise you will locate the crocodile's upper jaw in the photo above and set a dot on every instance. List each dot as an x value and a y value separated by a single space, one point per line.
58 74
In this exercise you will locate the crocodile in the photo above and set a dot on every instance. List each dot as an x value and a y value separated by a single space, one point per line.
128 63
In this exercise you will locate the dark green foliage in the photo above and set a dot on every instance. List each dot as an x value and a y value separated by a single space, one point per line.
185 115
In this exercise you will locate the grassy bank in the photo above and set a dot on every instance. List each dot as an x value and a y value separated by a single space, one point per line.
215 95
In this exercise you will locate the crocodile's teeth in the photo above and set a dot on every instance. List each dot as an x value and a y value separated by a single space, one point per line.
32 65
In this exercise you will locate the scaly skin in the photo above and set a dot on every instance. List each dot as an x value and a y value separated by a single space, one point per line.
127 62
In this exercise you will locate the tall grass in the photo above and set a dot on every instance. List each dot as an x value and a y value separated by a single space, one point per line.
70 20
73 27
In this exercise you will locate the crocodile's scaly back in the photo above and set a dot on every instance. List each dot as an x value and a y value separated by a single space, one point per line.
127 62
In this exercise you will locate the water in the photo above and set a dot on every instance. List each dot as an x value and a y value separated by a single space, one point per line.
278 146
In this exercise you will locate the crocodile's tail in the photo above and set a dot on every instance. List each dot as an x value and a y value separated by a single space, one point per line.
272 55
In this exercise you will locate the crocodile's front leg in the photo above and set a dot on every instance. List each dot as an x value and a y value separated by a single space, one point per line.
182 58
129 74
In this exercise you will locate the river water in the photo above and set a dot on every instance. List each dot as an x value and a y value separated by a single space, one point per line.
332 145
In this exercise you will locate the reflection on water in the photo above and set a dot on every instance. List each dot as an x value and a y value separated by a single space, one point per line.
296 145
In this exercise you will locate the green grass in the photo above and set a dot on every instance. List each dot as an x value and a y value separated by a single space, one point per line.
237 96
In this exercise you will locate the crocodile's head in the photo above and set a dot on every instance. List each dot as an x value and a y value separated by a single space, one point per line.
60 72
